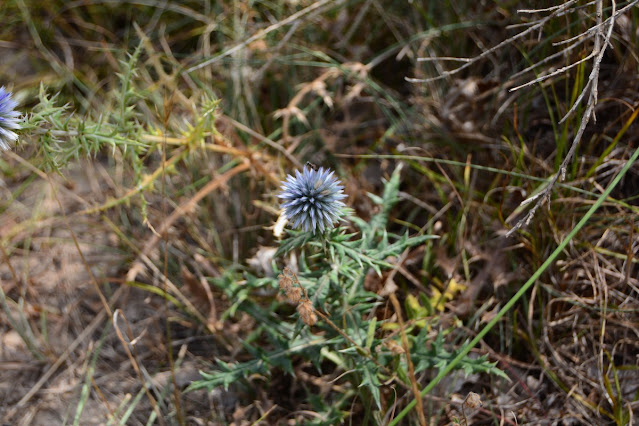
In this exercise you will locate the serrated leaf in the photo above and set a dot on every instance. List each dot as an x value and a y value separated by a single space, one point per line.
334 357
370 380
403 243
375 198
297 240
438 357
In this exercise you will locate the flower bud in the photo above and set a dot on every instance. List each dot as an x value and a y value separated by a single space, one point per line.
285 282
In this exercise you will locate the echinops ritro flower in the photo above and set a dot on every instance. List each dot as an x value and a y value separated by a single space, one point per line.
312 199
9 120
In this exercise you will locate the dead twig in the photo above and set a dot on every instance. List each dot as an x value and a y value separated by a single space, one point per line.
601 42
470 61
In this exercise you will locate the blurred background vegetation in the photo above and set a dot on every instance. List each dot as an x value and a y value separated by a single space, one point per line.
137 211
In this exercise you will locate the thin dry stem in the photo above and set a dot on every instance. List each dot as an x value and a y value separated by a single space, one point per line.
538 25
263 33
409 362
601 42
62 359
180 211
129 349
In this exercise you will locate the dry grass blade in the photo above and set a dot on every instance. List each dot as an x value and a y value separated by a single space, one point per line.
131 352
80 339
316 6
486 53
409 362
184 208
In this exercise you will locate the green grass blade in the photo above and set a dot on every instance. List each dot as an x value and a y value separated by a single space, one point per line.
522 290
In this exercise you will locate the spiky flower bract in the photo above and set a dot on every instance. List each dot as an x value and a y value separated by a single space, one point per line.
9 120
312 199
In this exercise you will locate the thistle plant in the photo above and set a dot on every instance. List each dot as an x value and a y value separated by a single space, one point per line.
312 199
9 119
335 317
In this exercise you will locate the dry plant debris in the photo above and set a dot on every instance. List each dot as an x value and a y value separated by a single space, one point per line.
146 279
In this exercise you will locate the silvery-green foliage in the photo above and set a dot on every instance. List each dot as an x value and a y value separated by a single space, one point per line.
63 136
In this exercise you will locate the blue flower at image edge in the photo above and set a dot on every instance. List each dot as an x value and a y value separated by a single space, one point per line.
312 199
9 119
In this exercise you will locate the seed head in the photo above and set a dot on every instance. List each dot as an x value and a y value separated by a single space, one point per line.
307 313
472 400
285 282
9 120
294 294
312 199
288 271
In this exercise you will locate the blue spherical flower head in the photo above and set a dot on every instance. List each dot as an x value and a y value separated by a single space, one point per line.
312 199
9 119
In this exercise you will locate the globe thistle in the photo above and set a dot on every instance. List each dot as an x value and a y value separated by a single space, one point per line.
8 119
312 199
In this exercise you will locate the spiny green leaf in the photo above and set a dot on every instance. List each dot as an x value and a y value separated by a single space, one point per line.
296 240
369 379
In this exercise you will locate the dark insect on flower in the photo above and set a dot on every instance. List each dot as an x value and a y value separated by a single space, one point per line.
9 120
312 166
312 199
